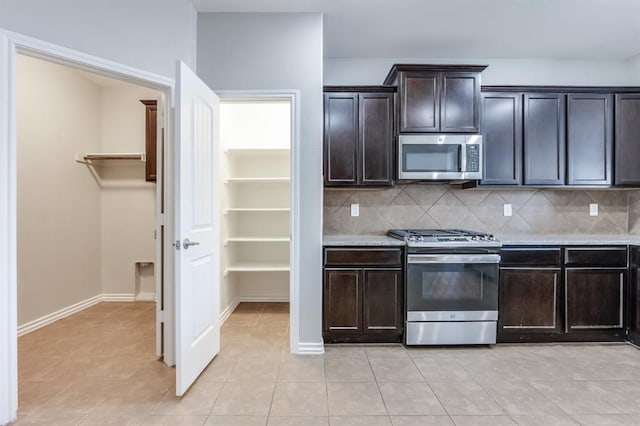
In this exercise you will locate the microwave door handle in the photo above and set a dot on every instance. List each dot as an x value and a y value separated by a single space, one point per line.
463 157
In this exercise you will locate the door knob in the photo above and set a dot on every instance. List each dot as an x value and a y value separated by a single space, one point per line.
186 243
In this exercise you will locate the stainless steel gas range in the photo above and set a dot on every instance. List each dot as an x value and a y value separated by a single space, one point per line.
451 286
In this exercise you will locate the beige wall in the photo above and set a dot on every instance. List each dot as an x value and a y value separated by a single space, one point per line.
128 202
76 238
58 202
439 206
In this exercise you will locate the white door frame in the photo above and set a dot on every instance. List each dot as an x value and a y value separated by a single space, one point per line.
293 96
10 45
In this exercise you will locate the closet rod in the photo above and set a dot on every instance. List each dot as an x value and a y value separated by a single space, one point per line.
88 157
141 156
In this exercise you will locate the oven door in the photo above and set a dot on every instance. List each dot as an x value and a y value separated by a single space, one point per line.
452 287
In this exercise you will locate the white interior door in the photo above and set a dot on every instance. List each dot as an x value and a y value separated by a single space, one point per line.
197 286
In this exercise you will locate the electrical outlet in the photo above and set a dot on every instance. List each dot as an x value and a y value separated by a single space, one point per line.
593 209
508 211
355 210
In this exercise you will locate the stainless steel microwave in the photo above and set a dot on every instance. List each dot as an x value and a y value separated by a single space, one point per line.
440 157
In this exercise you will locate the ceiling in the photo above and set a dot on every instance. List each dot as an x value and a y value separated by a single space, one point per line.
553 29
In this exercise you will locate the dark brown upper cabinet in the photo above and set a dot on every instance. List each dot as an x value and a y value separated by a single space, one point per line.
151 117
437 98
544 138
502 138
358 136
589 139
572 136
627 145
340 139
419 107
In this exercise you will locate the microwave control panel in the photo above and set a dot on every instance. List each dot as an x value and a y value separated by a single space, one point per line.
473 158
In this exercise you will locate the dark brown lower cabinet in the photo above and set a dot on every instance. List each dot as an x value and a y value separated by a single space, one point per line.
595 300
564 294
382 301
343 300
529 302
633 317
363 302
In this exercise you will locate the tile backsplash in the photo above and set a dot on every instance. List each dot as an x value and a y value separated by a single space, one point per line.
535 211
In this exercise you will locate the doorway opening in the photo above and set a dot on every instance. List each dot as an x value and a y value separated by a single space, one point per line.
169 204
88 258
256 134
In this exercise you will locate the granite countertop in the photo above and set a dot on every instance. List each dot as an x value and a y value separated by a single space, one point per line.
360 240
556 239
541 239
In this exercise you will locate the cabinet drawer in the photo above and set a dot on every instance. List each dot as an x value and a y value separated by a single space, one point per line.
531 256
634 255
363 257
594 257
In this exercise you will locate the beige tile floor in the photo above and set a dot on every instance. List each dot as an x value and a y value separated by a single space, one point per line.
98 367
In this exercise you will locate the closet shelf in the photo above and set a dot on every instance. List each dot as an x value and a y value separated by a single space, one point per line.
258 267
258 180
258 209
258 240
250 152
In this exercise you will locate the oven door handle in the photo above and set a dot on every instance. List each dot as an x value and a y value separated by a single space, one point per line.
453 258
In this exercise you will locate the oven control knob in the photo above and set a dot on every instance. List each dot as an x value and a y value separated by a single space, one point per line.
420 238
491 237
474 237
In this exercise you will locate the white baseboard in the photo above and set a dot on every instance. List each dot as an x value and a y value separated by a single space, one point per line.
224 315
309 348
263 298
57 315
145 297
75 308
118 297
142 297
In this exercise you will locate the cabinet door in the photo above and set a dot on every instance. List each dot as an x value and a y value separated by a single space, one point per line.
382 301
151 141
627 141
419 102
460 102
342 300
502 138
589 139
530 300
376 138
634 297
595 299
340 139
544 139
